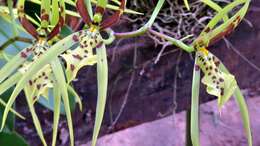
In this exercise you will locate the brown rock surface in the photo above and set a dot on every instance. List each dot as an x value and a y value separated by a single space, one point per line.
224 130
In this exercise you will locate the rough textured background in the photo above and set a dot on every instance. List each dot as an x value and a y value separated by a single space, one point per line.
216 130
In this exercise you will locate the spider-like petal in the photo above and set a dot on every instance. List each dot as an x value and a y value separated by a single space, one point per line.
82 55
218 83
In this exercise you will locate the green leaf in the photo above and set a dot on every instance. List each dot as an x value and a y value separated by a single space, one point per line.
12 139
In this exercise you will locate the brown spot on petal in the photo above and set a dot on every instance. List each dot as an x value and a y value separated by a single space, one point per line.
28 49
197 68
217 63
221 91
75 38
99 45
72 67
30 82
38 86
77 56
23 55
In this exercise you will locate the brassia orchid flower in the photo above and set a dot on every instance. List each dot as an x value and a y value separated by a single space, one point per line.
50 76
89 40
219 82
75 59
92 38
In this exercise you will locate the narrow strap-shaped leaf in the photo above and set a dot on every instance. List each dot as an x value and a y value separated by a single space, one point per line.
56 115
243 110
102 79
215 6
224 12
37 124
59 75
195 134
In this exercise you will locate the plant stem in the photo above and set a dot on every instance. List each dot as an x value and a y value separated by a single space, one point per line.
173 41
145 28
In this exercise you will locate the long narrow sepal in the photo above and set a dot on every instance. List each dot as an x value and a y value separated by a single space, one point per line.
24 21
60 22
45 12
115 17
102 79
81 7
37 124
240 99
194 130
56 115
59 75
